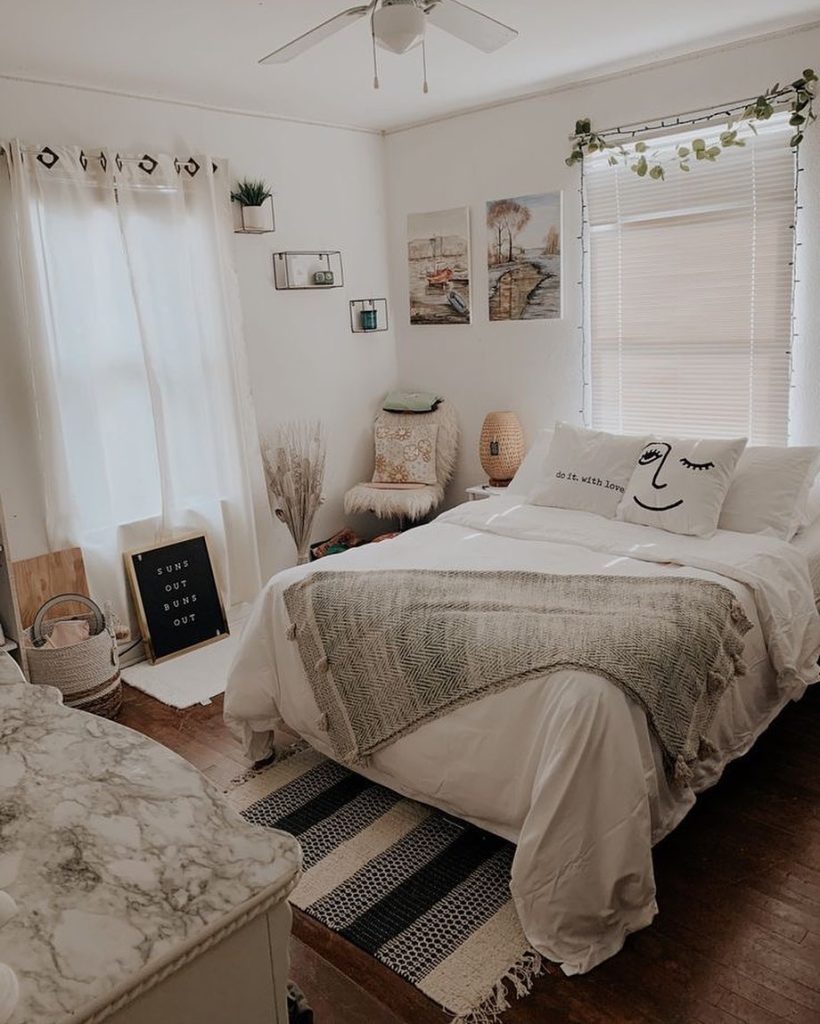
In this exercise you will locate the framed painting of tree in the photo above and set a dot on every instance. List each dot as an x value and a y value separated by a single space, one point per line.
524 257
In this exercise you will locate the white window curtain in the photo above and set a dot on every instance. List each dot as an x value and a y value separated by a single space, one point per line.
144 410
690 298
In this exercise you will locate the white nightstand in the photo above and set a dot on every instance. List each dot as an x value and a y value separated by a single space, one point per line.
484 491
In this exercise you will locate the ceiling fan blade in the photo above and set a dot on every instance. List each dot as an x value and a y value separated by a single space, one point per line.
475 28
316 35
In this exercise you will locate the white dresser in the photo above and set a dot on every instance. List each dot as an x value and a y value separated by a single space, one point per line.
142 897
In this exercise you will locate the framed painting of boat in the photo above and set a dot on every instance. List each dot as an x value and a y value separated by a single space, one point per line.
524 257
438 260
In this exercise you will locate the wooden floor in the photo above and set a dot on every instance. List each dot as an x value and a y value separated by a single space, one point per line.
737 937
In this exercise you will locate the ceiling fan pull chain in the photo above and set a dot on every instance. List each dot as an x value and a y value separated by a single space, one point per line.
375 55
424 63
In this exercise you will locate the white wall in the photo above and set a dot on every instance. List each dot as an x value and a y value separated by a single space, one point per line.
534 367
304 360
330 187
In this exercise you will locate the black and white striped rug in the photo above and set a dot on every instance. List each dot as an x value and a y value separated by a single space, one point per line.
424 894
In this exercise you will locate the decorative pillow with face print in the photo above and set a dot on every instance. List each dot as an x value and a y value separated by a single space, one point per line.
405 454
680 484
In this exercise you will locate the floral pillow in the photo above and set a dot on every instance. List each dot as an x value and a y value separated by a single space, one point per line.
405 454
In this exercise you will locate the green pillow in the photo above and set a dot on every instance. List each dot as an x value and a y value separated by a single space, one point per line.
410 401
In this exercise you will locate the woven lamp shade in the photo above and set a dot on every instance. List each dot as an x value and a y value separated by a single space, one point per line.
501 447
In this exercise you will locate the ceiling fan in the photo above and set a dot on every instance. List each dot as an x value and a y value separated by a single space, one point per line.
400 25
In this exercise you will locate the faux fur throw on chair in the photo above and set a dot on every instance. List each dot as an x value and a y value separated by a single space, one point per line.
411 503
387 651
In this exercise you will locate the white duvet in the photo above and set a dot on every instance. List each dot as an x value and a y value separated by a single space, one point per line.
563 764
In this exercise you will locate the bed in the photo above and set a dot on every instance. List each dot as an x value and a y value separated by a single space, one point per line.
563 765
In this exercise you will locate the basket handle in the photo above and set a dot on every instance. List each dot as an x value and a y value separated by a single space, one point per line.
99 618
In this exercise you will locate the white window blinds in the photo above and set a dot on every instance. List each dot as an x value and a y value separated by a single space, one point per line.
691 291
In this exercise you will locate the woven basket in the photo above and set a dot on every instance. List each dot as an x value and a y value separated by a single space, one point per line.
88 673
501 447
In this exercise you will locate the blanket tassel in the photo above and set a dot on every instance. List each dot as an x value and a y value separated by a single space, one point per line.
706 749
739 616
715 683
683 773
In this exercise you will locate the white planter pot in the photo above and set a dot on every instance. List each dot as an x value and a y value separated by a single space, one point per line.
257 218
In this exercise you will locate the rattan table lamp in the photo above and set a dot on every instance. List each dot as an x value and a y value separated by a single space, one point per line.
501 447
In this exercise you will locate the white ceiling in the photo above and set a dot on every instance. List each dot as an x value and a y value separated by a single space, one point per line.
206 51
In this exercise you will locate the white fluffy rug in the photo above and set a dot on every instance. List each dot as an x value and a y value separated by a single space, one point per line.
193 678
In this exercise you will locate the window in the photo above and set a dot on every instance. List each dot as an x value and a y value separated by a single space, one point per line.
691 292
134 335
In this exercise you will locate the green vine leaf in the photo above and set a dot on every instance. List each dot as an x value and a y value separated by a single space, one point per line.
641 167
798 97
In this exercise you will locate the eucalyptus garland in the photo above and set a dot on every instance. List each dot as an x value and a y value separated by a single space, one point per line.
798 97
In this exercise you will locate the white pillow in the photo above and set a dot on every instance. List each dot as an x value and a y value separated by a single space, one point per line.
680 484
587 470
812 509
770 490
531 471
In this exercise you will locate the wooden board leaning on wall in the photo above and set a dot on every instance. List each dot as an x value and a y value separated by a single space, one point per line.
46 576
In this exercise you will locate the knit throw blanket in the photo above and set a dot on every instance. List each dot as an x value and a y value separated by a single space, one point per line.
387 651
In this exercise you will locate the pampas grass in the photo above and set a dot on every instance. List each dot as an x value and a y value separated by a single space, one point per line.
294 461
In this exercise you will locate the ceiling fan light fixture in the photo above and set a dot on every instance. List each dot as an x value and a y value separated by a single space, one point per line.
399 27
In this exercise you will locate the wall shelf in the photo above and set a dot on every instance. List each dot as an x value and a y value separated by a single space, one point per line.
296 271
360 306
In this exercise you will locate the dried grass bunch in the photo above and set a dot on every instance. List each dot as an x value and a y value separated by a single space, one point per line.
294 462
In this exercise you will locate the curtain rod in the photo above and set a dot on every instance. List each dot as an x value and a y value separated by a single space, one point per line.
126 158
686 117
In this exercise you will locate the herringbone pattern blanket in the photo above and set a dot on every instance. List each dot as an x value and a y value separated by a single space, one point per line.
387 651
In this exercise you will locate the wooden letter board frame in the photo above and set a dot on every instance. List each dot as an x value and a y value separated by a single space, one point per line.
191 577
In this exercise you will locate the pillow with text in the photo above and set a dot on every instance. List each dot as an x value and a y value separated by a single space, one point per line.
587 470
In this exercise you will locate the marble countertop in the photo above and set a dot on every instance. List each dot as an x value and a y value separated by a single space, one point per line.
116 851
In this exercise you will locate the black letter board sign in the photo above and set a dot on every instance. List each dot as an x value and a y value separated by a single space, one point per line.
176 595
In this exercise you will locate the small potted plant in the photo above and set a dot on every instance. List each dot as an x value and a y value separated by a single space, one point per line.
252 197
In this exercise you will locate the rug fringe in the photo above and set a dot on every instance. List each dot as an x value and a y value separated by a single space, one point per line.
521 976
254 772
